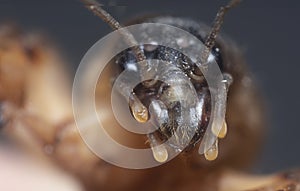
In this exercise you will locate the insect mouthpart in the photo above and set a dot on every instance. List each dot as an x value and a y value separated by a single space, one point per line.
177 103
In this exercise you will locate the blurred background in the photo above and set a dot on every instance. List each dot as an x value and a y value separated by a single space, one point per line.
267 32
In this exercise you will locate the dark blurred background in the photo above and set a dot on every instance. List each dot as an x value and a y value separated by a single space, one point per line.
268 32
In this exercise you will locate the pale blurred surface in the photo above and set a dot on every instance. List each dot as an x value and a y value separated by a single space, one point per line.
20 172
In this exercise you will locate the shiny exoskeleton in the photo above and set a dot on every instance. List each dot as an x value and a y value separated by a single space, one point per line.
157 91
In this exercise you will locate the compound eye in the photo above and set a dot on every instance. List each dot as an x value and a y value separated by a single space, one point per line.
217 55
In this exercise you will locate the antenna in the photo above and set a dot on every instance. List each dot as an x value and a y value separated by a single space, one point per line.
211 39
96 8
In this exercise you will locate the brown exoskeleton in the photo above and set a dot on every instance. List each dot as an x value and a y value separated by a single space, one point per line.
36 113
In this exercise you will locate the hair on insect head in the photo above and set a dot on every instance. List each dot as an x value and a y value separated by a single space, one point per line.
141 112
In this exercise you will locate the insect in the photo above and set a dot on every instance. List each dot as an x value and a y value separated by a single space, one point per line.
162 95
37 114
